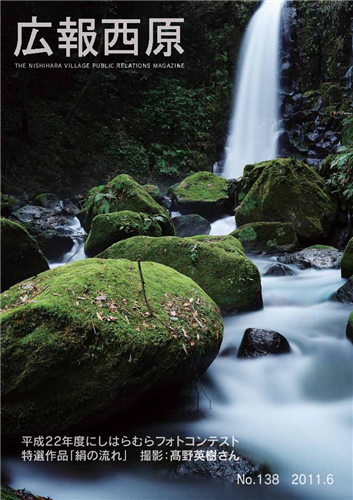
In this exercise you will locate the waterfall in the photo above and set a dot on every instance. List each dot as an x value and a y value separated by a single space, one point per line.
254 127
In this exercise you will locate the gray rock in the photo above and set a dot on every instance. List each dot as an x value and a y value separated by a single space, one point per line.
257 343
49 201
277 269
220 470
325 258
345 293
29 213
191 225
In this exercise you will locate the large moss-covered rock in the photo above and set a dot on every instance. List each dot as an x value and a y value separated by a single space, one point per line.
217 263
20 254
287 190
347 260
110 228
267 237
122 193
202 193
79 342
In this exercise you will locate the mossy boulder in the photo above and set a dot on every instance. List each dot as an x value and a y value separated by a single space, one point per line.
202 193
269 237
79 342
217 263
21 256
122 193
49 201
287 190
347 260
108 229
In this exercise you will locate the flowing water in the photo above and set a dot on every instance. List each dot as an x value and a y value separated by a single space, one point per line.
254 126
292 412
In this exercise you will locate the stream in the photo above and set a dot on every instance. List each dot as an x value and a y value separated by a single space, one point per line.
291 412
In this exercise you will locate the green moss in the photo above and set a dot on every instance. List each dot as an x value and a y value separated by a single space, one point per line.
321 247
202 186
21 256
347 260
78 341
153 190
246 234
204 192
217 263
113 227
122 193
287 190
267 236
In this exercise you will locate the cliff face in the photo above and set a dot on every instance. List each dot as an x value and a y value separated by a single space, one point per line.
317 95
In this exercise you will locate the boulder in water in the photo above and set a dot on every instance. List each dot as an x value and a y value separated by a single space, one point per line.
349 330
108 229
216 468
257 343
79 342
202 193
49 201
277 269
21 256
347 260
287 190
345 292
191 225
122 193
324 258
268 237
217 263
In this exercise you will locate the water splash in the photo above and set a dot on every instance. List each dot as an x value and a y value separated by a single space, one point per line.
254 127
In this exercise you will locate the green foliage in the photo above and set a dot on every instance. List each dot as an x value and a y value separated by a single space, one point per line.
338 169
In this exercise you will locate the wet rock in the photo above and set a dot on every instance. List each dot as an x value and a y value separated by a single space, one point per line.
70 209
257 343
191 225
345 293
49 201
29 213
317 258
217 469
349 331
277 269
229 352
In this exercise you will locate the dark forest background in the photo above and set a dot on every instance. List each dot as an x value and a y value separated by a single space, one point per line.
155 124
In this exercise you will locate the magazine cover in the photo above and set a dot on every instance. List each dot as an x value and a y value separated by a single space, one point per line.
177 250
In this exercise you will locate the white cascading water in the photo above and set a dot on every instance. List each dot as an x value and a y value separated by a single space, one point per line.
254 127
